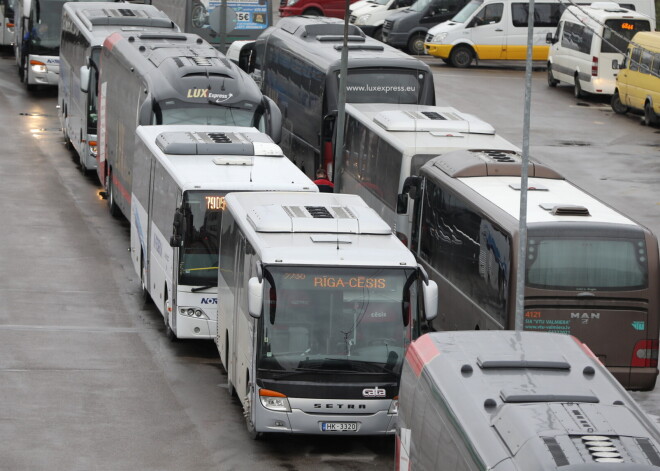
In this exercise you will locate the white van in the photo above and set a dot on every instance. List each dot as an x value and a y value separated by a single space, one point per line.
497 29
370 16
587 39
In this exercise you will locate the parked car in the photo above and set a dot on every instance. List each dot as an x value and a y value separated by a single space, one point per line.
638 81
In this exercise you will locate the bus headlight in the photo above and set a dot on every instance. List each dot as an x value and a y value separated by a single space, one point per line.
438 38
394 407
93 148
273 400
193 312
38 66
363 19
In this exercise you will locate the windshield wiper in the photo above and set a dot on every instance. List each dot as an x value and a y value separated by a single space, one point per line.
201 288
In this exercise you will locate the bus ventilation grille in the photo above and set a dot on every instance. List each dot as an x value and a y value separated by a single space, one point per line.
201 61
219 137
433 115
603 449
126 12
570 210
501 156
319 212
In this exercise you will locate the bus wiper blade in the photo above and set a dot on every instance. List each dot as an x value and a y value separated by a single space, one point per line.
201 288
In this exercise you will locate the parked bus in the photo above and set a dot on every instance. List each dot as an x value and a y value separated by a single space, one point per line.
84 28
37 27
384 144
517 401
7 27
245 19
167 78
586 42
182 173
590 271
298 62
317 302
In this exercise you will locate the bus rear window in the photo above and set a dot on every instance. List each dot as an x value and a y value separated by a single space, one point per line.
618 33
384 86
587 264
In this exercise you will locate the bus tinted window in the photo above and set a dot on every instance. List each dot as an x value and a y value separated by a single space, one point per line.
545 14
587 263
466 12
618 33
327 319
382 86
178 112
470 250
46 25
201 231
577 37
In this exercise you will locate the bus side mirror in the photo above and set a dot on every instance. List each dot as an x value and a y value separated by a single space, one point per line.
550 38
144 114
177 223
430 291
402 203
85 73
273 120
615 64
255 297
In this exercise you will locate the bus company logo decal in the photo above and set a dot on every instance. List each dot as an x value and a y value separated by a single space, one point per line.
585 317
639 325
373 392
339 406
209 300
206 93
158 246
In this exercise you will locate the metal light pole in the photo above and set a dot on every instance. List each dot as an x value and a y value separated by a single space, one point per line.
522 229
341 102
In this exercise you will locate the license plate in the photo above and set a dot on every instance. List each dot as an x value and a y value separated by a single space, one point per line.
339 426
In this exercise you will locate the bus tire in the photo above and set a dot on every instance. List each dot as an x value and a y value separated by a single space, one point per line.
650 118
252 431
416 44
552 81
112 204
577 90
617 106
461 56
313 12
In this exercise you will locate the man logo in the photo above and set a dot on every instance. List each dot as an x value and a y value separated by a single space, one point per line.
375 392
638 325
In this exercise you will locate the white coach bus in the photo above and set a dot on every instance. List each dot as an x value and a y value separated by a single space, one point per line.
181 175
318 301
384 144
84 28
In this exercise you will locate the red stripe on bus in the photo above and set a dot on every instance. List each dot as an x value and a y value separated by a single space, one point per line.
585 349
111 40
422 351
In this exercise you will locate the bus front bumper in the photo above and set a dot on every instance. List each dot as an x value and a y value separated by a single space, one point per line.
194 328
438 50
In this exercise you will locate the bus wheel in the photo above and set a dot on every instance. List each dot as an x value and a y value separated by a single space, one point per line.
378 33
247 411
112 204
577 90
650 118
416 44
461 56
312 12
617 106
552 81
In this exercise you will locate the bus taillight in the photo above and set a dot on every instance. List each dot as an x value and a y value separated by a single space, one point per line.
645 354
594 66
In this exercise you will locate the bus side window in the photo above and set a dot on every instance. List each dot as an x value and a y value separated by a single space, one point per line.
635 56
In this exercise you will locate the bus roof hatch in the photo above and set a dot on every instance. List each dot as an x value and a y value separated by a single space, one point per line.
436 120
217 143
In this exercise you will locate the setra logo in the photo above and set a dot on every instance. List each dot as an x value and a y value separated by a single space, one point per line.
373 392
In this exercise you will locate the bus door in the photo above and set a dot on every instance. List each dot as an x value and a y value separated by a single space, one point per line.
488 30
238 342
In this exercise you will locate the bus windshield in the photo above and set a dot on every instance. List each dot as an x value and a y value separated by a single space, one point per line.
174 111
330 320
8 8
587 263
384 86
466 12
198 263
46 26
618 33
